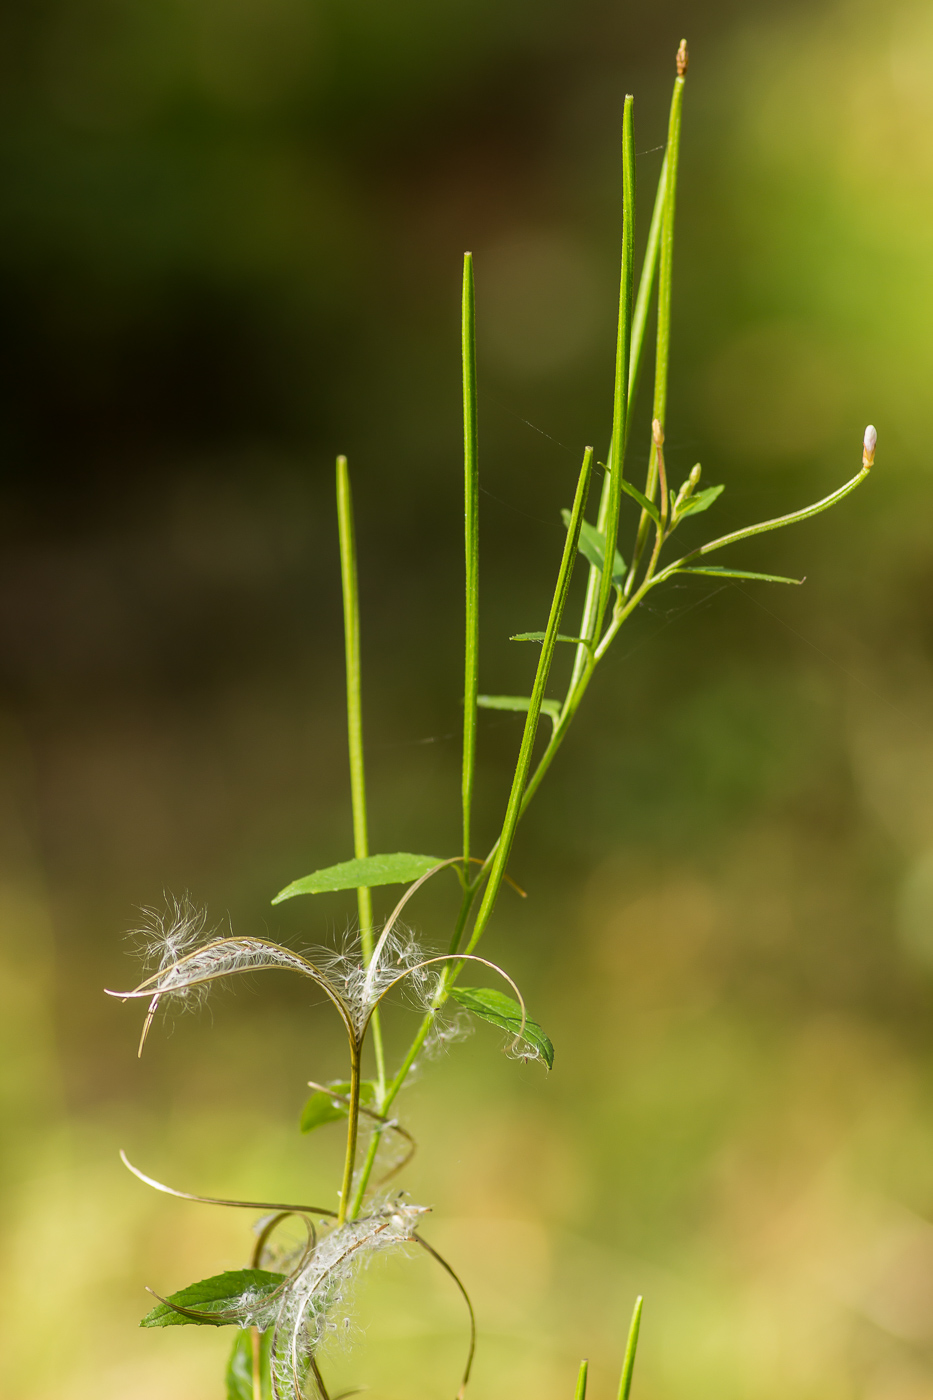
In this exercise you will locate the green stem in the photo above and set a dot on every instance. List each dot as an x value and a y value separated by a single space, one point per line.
665 275
646 283
639 324
466 904
353 1123
499 856
764 526
369 1161
662 357
580 1392
623 362
514 806
621 612
351 632
256 1356
391 1090
628 1365
651 580
471 542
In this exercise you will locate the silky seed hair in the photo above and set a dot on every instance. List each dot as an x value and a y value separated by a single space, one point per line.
164 935
189 957
303 1317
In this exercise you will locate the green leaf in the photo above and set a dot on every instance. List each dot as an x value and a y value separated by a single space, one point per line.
539 637
323 1108
502 1011
397 869
592 546
716 571
551 708
701 501
240 1365
642 500
213 1295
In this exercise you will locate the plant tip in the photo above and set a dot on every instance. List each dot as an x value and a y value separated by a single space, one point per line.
683 59
869 443
657 432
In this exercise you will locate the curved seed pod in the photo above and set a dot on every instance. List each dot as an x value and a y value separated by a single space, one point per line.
225 957
462 958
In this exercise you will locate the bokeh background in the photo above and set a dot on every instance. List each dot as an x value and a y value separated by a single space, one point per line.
230 244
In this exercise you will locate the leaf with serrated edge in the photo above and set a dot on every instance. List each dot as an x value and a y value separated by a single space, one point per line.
323 1108
502 1011
701 501
592 546
397 869
539 637
715 571
519 703
220 1293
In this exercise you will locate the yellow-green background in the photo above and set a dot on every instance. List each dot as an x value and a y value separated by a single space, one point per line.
230 246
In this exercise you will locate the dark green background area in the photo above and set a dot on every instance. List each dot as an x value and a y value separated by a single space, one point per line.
230 247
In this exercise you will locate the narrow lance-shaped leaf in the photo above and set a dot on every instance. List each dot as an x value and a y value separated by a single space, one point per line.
397 869
323 1108
220 1294
540 636
715 571
647 506
518 703
494 1006
592 546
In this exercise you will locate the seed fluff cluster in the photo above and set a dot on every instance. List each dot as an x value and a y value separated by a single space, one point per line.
189 957
300 1313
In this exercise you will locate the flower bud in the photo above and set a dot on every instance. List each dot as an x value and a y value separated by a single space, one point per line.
694 478
869 443
657 432
683 58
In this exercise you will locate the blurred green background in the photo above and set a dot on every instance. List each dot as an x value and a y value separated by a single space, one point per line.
230 244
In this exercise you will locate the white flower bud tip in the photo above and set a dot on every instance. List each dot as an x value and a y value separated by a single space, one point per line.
657 432
683 59
869 442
